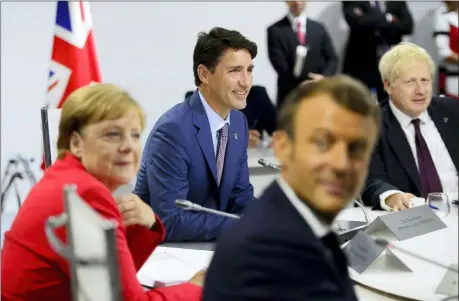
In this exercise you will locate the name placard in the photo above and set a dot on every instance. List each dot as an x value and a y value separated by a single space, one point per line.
449 283
408 223
364 254
361 252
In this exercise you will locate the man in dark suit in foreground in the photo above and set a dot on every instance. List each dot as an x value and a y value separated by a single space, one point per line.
283 247
418 149
293 38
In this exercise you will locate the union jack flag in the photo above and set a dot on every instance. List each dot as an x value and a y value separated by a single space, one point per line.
74 61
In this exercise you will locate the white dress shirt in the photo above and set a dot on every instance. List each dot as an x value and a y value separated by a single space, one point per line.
216 122
438 151
294 21
319 227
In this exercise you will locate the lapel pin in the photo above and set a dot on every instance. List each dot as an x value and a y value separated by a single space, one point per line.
235 136
445 119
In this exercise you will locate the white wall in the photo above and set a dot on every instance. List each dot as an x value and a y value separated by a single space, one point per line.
140 47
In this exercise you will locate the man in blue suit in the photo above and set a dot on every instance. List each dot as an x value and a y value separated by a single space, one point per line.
198 149
283 247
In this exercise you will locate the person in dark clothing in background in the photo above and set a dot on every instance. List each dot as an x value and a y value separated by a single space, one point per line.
374 26
260 113
299 49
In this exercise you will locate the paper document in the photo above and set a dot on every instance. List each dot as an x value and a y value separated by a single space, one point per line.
165 269
169 266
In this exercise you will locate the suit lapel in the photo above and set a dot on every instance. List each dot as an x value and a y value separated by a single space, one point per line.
231 157
445 123
204 135
401 148
290 34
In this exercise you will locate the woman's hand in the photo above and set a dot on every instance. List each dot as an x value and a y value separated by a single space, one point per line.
198 278
134 211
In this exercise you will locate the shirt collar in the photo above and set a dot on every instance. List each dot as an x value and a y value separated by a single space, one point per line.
216 122
318 226
404 119
293 20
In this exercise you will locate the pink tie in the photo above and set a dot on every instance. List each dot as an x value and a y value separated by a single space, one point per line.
301 36
221 150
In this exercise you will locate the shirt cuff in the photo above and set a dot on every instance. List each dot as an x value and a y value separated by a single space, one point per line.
383 196
389 18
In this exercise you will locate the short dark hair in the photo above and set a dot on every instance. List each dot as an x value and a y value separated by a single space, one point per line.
211 46
344 90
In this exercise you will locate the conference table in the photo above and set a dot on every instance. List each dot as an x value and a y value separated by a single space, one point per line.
173 263
260 176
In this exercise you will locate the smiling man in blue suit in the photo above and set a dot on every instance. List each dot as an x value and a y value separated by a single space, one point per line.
198 149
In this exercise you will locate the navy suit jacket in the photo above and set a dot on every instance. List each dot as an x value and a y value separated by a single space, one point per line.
271 254
179 163
392 164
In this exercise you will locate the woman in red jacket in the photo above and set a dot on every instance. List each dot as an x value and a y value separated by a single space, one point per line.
99 150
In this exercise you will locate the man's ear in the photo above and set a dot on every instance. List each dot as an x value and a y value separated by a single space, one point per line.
203 74
387 86
282 146
76 144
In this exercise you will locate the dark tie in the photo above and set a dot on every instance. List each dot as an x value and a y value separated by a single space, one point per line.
329 244
430 181
221 150
378 5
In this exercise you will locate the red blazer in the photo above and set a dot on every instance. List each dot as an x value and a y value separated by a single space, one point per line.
31 270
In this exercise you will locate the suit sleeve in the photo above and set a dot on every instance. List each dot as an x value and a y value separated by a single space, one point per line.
276 53
404 25
329 53
269 112
367 20
167 172
377 180
134 246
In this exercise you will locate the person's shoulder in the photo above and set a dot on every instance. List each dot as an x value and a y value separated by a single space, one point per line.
69 173
447 105
175 115
266 219
258 90
315 24
238 118
173 121
83 181
278 24
445 102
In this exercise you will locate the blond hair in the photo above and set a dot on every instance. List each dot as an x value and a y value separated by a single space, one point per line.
93 104
401 56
